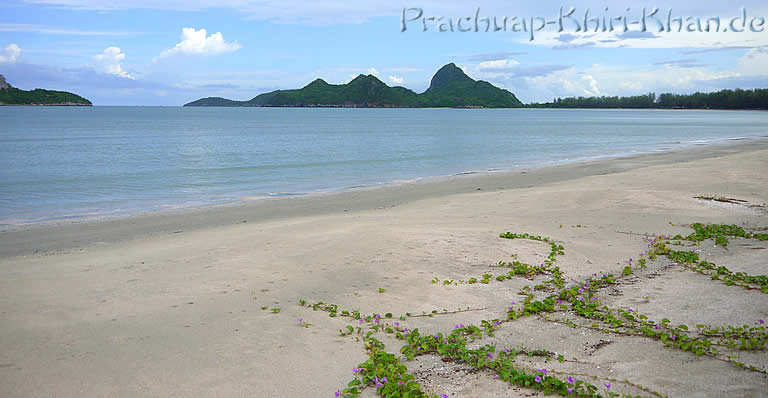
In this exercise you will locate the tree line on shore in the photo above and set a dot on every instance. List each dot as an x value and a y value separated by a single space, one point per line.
723 99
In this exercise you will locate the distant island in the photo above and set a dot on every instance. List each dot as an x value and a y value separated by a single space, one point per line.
723 99
10 95
450 87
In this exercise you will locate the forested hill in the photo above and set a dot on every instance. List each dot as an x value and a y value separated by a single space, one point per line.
10 95
450 87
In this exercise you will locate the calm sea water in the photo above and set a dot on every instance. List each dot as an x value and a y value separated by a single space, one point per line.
70 162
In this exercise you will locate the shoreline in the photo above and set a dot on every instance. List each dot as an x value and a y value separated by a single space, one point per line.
78 231
15 224
200 303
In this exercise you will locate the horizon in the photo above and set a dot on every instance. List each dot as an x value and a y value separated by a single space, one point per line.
135 52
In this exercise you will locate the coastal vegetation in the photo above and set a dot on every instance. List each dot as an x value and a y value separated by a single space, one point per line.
723 99
10 95
578 305
450 87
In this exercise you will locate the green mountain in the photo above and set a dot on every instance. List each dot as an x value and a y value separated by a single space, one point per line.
10 95
450 87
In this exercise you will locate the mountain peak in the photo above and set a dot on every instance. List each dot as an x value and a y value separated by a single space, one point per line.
317 82
446 75
3 83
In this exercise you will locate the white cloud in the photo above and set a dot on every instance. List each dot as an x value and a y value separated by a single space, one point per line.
109 62
195 42
10 54
396 80
596 80
755 62
49 30
497 64
592 89
373 71
650 39
343 11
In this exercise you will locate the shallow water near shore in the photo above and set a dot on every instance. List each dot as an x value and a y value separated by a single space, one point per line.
58 163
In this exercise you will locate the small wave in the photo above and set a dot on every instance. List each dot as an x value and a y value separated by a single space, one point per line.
281 194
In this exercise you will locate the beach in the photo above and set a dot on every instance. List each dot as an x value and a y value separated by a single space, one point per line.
180 303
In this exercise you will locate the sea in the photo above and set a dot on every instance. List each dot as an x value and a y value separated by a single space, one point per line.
59 163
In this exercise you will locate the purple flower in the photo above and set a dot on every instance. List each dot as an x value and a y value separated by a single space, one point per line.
538 379
607 386
558 301
357 370
400 383
300 320
461 324
456 327
580 298
581 290
657 327
490 355
542 371
495 376
593 298
629 309
443 395
397 323
586 287
569 379
761 321
384 380
437 337
337 393
570 391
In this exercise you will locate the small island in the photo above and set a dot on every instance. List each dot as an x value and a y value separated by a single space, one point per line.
450 88
10 95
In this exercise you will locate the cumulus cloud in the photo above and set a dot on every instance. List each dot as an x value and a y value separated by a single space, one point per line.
110 62
591 88
755 62
196 42
10 54
396 80
373 71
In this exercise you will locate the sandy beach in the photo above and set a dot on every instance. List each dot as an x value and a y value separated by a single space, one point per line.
179 303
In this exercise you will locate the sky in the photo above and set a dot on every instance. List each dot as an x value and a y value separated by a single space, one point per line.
153 52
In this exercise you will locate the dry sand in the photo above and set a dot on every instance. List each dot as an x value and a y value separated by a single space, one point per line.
170 304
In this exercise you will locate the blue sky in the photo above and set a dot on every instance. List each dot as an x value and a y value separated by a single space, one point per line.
145 52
